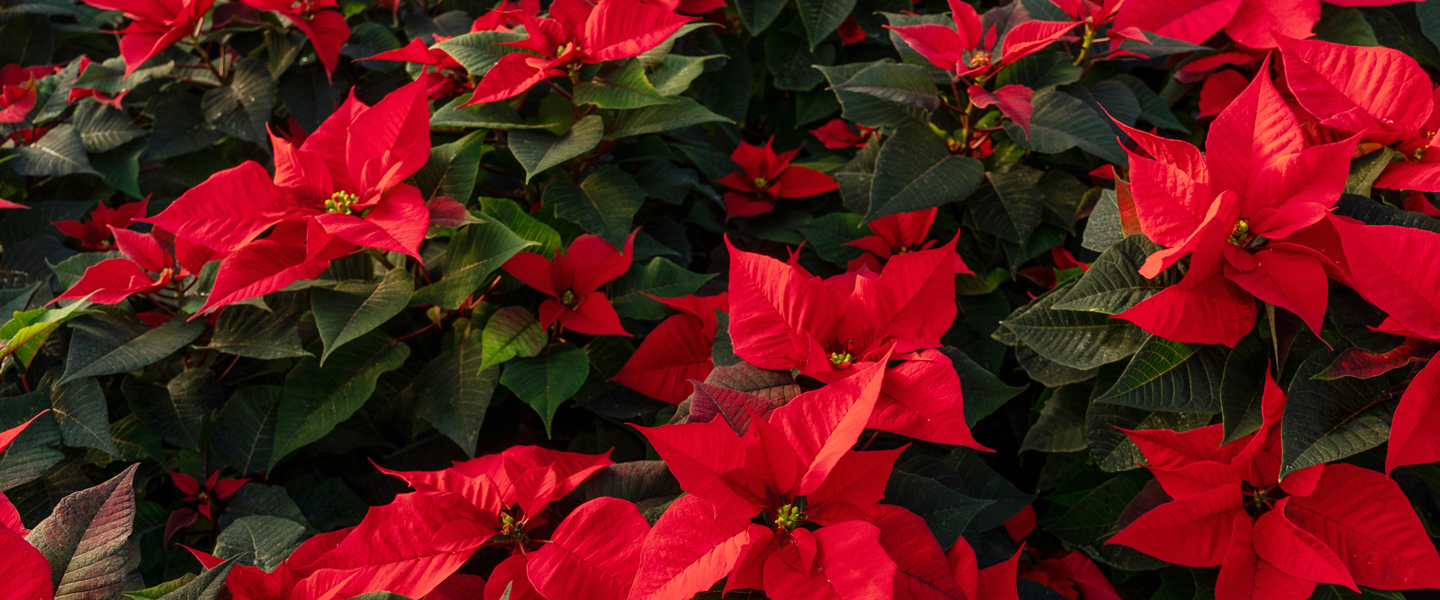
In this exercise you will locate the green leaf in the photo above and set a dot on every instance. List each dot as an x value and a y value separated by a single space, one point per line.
34 451
1170 376
1040 71
59 152
83 415
496 115
1080 340
1366 169
87 539
1095 515
540 150
674 76
174 412
135 442
620 87
254 332
1112 449
829 233
244 431
452 169
548 379
260 500
1345 25
909 85
1152 108
963 471
153 593
1113 284
527 227
663 117
822 17
260 541
1061 122
180 126
984 392
946 511
512 331
604 204
866 109
757 15
1327 420
660 278
455 390
1013 212
207 586
1242 384
120 168
1110 97
242 109
354 308
105 345
315 399
914 172
478 51
1061 427
102 127
471 257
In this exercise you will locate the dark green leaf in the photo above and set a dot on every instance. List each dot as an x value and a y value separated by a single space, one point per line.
176 412
455 389
660 278
529 228
915 171
261 542
1366 169
548 379
867 109
478 51
120 168
471 257
354 308
984 392
1113 284
254 332
1170 376
963 471
675 75
1095 515
604 204
909 85
1080 340
828 234
757 15
1061 427
1112 449
83 415
946 511
87 539
1327 420
1242 385
34 451
59 152
1345 25
822 17
102 127
1013 211
512 331
105 345
135 442
244 431
1060 122
242 109
620 87
496 115
1041 70
1152 108
663 117
260 500
540 150
207 586
315 399
452 169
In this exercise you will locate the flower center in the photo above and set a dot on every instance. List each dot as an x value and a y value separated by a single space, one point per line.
1260 500
761 182
568 298
979 59
788 516
510 526
840 360
203 497
1240 234
340 202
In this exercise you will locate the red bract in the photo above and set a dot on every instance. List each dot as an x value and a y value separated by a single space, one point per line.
898 234
573 280
214 489
964 51
339 190
17 91
593 554
93 232
766 176
319 19
24 570
839 133
677 351
152 262
1257 184
781 467
9 435
450 76
782 317
1072 574
993 582
154 25
576 33
1392 103
1276 538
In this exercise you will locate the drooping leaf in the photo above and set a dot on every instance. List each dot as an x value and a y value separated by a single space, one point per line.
548 379
354 308
315 399
908 85
866 109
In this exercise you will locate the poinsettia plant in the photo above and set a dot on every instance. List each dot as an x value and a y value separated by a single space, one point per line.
690 299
